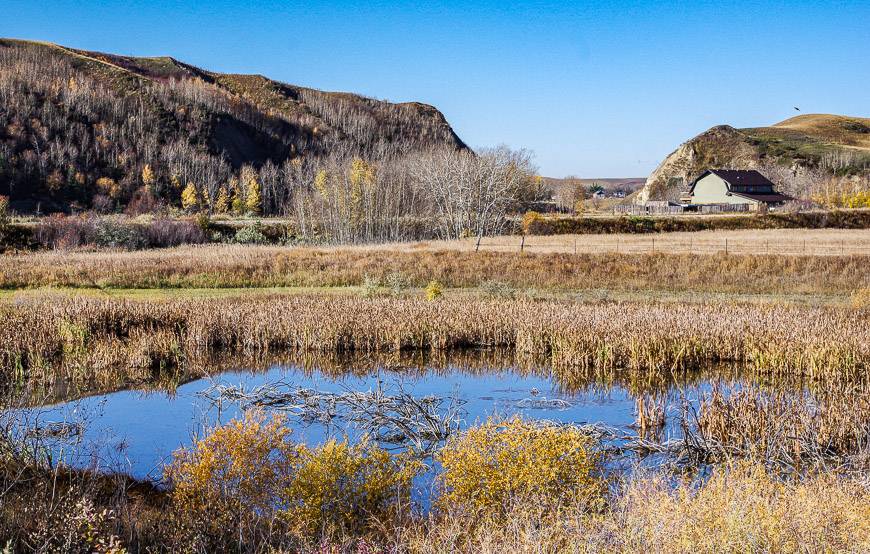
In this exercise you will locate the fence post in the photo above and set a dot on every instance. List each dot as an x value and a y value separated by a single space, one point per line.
654 245
726 246
575 247
523 243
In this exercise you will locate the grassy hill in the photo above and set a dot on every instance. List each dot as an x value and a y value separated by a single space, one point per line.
78 125
800 154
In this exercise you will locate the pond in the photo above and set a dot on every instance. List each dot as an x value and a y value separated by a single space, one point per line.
135 431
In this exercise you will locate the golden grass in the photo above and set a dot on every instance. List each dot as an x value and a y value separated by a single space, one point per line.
788 429
90 338
246 266
739 509
813 242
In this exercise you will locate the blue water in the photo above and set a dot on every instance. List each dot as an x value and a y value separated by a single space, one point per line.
136 432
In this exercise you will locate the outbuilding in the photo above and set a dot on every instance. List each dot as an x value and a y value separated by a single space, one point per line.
735 187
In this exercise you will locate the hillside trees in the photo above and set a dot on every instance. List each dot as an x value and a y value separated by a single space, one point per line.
78 134
69 118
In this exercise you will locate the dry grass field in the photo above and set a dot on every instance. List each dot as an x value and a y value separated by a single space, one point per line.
222 266
800 242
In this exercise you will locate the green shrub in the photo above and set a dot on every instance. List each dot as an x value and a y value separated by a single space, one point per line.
251 234
397 282
203 221
370 286
109 233
497 289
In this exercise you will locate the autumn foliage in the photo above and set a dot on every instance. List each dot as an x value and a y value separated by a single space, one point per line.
249 473
500 464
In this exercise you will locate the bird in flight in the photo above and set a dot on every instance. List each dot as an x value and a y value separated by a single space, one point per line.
797 109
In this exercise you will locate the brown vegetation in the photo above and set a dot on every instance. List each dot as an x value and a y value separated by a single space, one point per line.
798 242
227 266
246 488
94 339
788 428
739 509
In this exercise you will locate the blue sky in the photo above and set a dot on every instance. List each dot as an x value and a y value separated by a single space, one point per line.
595 89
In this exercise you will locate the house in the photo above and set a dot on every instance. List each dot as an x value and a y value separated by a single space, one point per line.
746 189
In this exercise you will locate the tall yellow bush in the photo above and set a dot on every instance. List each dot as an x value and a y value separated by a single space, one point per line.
234 474
342 487
249 474
495 466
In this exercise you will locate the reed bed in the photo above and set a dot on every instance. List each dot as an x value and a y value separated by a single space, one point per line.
788 429
81 338
249 266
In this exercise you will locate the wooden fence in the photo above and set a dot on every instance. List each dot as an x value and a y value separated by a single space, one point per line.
653 244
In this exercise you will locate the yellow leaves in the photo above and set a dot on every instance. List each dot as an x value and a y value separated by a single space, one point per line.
858 200
498 464
148 177
321 181
362 174
222 203
189 197
109 187
841 193
434 290
342 485
4 211
253 198
530 219
249 468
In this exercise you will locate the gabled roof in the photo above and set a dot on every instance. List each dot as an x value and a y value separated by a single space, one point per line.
742 177
734 177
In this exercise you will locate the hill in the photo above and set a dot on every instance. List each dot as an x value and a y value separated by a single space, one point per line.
800 155
79 127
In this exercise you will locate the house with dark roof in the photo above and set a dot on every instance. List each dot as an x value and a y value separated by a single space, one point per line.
735 187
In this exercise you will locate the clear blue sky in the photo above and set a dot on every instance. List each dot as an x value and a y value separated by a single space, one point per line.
595 89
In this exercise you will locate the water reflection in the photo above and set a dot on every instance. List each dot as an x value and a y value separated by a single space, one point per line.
135 430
